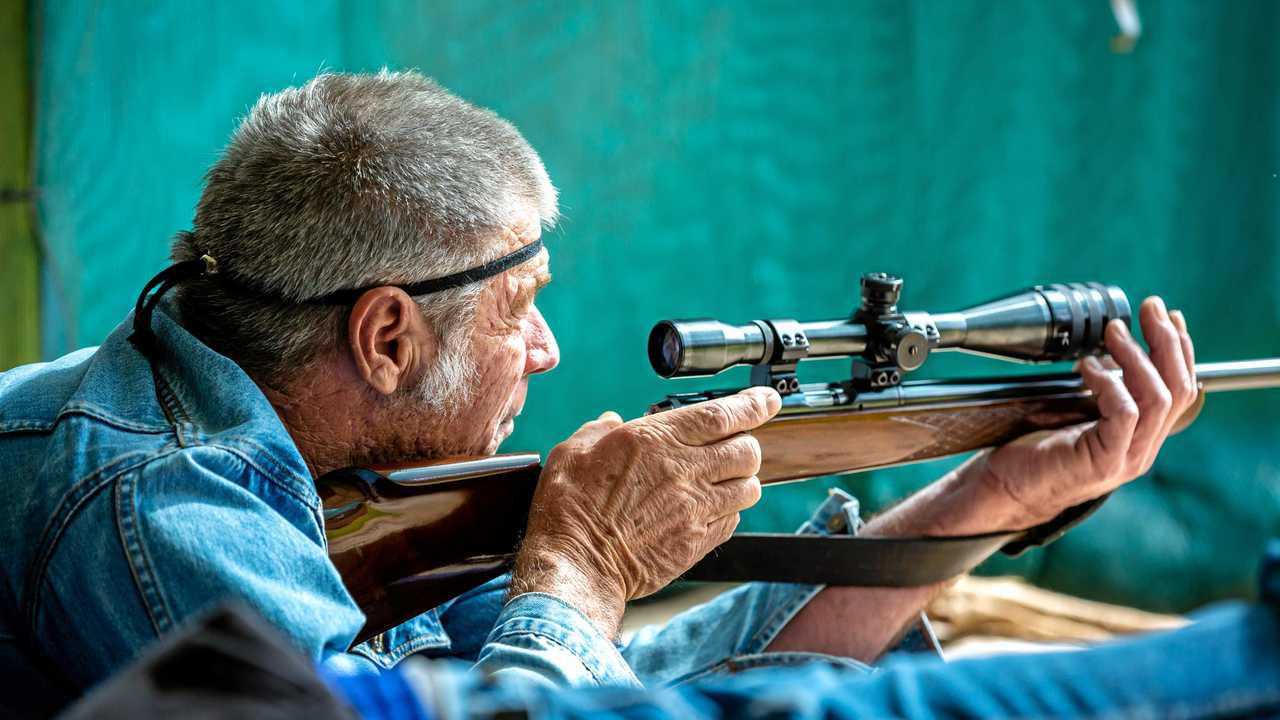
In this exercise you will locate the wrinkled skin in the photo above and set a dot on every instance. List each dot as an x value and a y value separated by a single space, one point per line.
622 509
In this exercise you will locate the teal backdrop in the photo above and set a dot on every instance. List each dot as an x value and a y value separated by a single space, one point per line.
750 159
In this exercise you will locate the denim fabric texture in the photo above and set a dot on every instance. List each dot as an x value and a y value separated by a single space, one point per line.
140 494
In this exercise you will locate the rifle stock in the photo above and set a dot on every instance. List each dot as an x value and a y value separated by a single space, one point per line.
408 537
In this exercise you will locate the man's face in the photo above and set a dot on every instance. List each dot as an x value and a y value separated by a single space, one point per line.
510 341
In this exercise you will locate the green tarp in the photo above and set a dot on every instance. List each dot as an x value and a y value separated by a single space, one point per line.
749 159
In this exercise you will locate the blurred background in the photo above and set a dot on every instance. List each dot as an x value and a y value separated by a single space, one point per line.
739 160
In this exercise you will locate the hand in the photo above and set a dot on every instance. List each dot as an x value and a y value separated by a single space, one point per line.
622 509
1040 475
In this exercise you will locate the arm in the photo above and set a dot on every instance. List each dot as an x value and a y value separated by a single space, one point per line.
1022 484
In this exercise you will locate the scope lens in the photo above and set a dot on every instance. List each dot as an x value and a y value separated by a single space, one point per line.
665 349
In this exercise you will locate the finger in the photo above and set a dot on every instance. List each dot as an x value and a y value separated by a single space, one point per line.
735 457
1145 386
735 495
1188 348
1166 354
713 420
720 530
1107 442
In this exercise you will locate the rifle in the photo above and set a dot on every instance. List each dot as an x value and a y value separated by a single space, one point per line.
409 536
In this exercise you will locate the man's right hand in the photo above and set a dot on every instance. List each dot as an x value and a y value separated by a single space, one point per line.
622 509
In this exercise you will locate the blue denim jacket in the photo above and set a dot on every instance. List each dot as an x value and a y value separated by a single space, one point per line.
138 496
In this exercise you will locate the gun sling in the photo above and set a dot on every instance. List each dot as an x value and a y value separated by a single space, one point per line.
870 562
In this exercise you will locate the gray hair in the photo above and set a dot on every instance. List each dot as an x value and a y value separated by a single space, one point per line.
348 181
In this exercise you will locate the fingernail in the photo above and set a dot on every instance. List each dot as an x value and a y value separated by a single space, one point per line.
1121 328
1179 318
1093 364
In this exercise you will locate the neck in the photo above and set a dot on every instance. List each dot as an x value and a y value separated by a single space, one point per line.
322 419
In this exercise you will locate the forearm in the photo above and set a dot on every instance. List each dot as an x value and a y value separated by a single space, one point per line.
861 622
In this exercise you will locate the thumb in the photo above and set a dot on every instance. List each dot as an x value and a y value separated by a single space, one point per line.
591 432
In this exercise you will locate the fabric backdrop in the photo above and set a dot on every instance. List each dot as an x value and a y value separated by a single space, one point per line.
749 159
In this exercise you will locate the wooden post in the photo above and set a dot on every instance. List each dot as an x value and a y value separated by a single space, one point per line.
19 255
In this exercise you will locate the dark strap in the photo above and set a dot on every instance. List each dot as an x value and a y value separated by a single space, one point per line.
143 337
870 562
434 285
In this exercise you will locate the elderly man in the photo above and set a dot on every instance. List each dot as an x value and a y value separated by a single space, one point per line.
372 254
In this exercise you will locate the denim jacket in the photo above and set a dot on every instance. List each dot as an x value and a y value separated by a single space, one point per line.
140 494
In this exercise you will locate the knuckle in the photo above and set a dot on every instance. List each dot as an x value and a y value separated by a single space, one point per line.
1186 391
1160 400
689 507
1127 411
638 438
717 418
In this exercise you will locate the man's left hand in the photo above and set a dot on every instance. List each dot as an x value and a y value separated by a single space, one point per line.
1034 478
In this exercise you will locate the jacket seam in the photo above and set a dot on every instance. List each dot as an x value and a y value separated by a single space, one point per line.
393 657
63 516
158 610
310 499
83 410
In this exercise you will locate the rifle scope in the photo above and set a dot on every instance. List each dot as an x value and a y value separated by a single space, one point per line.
1045 323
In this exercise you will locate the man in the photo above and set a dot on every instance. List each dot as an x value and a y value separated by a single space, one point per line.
358 286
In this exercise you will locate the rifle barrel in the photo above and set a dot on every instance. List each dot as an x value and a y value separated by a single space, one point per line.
1239 375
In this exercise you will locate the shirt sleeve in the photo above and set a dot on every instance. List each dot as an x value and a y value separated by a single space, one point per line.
542 639
179 535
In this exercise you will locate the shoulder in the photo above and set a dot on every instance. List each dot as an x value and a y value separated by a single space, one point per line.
185 531
206 480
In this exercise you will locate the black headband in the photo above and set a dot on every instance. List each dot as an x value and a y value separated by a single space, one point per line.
144 339
434 285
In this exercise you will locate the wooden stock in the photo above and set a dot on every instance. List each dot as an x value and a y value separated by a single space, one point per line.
796 447
404 550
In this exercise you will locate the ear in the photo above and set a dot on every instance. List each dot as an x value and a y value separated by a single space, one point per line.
388 338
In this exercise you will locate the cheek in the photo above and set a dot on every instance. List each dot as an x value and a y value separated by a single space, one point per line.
501 372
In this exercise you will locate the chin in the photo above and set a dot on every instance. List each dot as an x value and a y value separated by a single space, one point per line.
500 436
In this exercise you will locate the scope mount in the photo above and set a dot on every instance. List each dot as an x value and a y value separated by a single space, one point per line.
894 347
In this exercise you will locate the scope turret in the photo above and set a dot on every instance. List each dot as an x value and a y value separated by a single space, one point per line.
1045 323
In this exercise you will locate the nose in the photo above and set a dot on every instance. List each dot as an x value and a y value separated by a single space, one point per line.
542 352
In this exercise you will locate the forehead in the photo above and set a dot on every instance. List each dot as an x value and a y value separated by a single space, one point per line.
535 272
